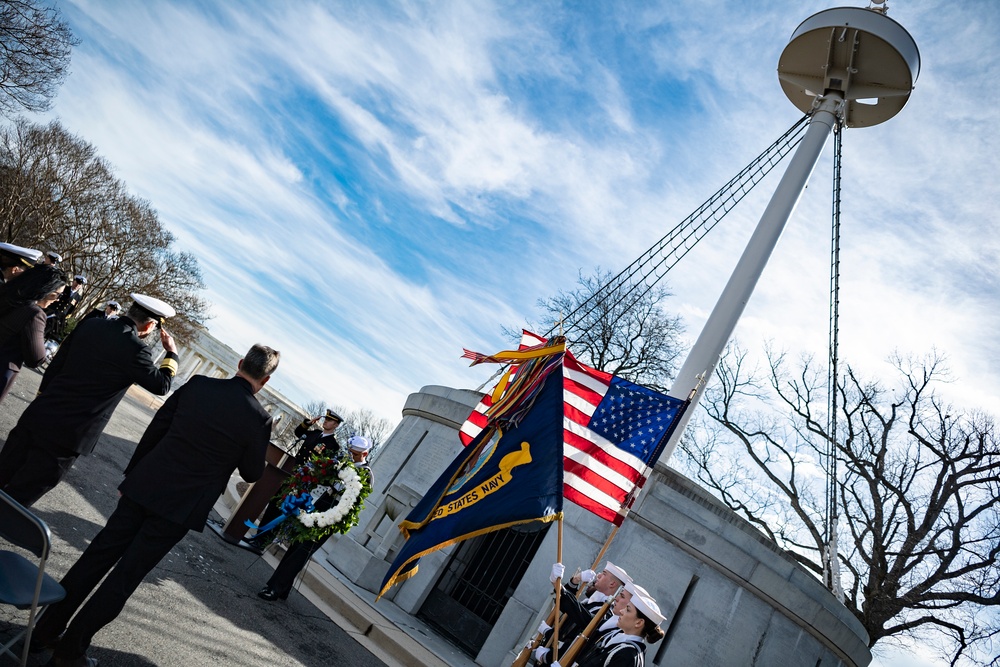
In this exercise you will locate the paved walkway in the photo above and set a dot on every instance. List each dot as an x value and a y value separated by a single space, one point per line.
199 606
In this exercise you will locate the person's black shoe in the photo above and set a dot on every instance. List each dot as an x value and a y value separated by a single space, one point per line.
252 546
270 595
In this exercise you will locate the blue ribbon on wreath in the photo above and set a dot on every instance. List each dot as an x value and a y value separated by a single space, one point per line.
290 506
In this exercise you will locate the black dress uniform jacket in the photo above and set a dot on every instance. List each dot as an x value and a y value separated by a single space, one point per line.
313 438
202 432
208 428
22 343
86 380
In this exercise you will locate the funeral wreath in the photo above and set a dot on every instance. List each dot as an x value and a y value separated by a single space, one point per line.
336 485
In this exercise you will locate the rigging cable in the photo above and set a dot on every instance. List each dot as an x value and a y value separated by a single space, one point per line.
657 260
653 264
831 563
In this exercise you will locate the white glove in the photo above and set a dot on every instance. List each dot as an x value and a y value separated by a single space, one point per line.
543 627
556 664
558 570
540 653
587 576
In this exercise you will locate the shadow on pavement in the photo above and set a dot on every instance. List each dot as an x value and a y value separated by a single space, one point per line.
199 606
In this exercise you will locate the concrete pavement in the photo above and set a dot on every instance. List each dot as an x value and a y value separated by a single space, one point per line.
199 606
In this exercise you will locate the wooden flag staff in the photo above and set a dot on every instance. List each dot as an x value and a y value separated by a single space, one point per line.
583 637
558 588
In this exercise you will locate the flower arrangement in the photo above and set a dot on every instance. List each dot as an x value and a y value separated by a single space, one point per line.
313 517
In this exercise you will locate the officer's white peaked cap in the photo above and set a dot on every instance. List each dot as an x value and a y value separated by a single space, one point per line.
26 255
154 305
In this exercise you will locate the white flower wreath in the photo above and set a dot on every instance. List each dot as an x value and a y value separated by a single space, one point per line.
348 498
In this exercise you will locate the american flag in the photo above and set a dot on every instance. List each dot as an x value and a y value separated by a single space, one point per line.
612 432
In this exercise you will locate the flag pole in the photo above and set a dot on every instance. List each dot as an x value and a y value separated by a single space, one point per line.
522 658
558 586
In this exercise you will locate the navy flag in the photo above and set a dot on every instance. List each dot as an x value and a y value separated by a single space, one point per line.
501 479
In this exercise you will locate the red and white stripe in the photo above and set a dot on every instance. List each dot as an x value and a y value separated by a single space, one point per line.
597 476
476 421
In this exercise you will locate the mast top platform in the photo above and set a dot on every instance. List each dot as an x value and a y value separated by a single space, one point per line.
862 54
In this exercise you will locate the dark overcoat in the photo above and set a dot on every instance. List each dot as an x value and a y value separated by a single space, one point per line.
204 431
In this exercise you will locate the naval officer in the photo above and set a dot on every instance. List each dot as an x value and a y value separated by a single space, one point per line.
80 390
207 429
322 440
299 553
15 260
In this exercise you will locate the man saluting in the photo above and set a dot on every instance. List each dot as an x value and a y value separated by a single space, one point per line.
81 388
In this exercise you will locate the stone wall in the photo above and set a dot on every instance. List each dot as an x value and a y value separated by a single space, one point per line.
731 597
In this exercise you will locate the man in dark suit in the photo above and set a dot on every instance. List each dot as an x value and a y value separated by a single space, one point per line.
80 390
204 431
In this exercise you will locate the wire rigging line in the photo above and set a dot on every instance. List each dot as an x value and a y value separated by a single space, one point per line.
831 564
652 265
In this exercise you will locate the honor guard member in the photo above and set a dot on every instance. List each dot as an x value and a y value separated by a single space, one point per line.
206 429
61 309
638 625
109 312
52 258
299 553
83 384
70 298
579 613
15 260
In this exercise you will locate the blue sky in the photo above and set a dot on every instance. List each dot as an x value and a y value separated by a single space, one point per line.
370 187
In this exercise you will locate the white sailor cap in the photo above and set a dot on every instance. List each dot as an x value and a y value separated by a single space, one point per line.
113 304
27 256
80 278
635 589
648 607
56 257
359 443
618 572
154 305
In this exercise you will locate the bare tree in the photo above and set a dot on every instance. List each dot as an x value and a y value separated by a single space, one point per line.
618 327
362 421
918 489
57 193
35 46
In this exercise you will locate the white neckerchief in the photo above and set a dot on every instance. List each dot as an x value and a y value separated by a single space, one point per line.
608 624
619 637
597 597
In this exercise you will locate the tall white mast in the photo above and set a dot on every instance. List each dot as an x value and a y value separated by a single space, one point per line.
847 63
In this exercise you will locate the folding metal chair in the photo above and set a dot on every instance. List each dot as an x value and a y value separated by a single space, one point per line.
23 583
